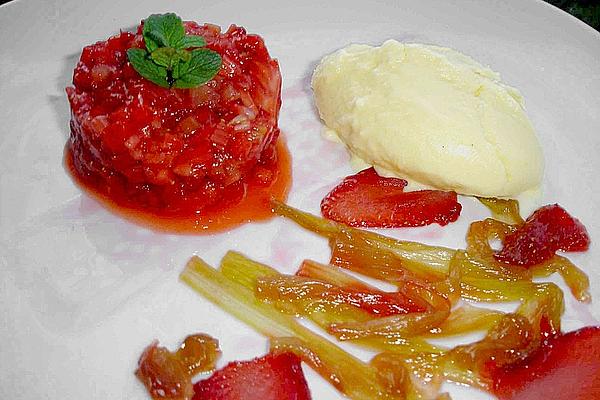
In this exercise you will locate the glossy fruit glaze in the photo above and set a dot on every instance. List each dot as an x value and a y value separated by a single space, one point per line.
179 159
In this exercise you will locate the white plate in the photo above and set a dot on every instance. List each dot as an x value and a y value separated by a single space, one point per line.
82 292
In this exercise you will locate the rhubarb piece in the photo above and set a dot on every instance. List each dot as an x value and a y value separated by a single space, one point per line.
389 327
576 279
238 300
369 200
412 324
481 261
271 377
240 269
546 231
479 236
330 273
567 367
423 370
305 293
393 373
163 375
393 260
450 286
514 338
168 375
466 319
398 345
496 291
384 263
416 255
503 210
199 353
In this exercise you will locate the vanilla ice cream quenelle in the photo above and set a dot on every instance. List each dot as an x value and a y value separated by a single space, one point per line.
430 115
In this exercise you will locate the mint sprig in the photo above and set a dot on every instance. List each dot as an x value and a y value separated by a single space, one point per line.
166 61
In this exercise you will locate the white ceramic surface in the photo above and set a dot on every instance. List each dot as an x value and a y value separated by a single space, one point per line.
82 292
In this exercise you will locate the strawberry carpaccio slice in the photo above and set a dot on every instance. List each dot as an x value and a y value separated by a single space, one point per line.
166 150
567 368
547 230
271 377
369 200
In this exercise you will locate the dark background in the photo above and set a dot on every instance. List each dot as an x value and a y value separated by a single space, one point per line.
586 10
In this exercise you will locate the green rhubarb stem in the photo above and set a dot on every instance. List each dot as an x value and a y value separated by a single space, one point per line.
350 375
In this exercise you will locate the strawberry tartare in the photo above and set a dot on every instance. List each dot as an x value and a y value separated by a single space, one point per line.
169 153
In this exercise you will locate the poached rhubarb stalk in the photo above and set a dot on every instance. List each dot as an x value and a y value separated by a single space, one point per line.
354 378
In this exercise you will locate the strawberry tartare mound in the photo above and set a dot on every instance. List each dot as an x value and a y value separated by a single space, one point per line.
175 152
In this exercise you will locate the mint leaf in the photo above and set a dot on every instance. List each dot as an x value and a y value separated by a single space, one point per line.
202 67
168 56
164 56
166 62
162 30
140 60
190 41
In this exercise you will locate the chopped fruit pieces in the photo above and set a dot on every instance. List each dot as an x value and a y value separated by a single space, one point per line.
369 200
168 375
176 153
566 368
546 231
272 377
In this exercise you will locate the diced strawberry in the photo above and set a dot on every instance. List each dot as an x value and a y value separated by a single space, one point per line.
567 368
271 377
547 230
369 200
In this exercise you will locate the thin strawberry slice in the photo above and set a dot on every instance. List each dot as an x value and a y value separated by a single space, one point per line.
271 377
547 230
369 200
568 368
